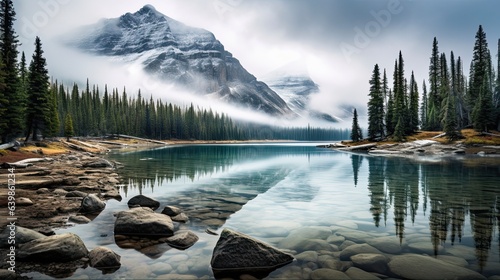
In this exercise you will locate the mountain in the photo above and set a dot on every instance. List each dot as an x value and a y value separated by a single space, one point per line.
293 84
175 53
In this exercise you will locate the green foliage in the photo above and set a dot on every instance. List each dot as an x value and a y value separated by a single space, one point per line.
356 133
399 132
375 106
11 99
40 104
68 127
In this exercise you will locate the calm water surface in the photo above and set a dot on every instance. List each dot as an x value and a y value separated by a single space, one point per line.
435 206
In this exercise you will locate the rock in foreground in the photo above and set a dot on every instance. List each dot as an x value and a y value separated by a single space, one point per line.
104 259
56 248
143 222
143 201
236 254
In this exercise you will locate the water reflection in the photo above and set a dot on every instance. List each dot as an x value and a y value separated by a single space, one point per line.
452 188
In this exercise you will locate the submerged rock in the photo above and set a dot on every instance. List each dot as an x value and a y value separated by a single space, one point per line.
412 266
56 248
104 259
143 201
171 211
143 222
237 253
182 240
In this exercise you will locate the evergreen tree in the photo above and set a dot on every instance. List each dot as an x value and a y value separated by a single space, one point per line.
356 133
376 106
413 109
68 127
434 101
399 131
423 107
482 114
389 117
450 121
496 98
39 100
444 89
480 81
11 119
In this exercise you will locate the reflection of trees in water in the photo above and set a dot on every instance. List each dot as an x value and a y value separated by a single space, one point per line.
150 168
452 189
356 161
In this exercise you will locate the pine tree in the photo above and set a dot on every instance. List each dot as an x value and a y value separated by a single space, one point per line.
399 131
434 102
11 119
480 81
482 114
423 107
376 106
39 100
413 106
450 121
389 117
356 133
68 127
496 99
444 89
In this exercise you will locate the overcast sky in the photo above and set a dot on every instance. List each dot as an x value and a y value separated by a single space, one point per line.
338 40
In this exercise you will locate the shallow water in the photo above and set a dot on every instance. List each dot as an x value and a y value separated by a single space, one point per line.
434 206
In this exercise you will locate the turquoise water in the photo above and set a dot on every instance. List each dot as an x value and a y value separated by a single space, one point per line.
434 206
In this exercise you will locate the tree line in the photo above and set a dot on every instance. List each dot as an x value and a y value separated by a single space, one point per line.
450 103
33 106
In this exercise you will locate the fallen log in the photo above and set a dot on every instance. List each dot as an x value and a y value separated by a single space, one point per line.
138 138
489 134
364 147
10 145
439 135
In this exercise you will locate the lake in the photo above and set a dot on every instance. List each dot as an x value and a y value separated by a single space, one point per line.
426 205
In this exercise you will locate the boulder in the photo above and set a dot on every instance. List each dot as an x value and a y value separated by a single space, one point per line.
56 248
143 201
356 273
355 249
236 253
181 218
79 219
182 240
100 163
171 211
143 222
22 235
413 266
92 203
76 194
326 273
104 259
8 275
371 262
23 201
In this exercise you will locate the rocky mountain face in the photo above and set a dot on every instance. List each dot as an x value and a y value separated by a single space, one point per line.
293 84
176 53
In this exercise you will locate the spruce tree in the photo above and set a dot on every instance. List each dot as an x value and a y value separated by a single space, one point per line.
450 121
423 107
480 82
39 100
376 106
11 119
356 133
389 117
413 106
434 102
68 127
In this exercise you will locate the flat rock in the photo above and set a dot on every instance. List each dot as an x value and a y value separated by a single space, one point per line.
76 194
237 253
371 262
99 163
296 238
356 273
143 222
387 244
104 259
22 235
23 201
412 266
56 248
79 219
92 203
182 240
326 273
181 218
355 249
144 201
425 247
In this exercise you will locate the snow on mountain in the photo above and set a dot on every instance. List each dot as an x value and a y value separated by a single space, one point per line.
293 84
173 52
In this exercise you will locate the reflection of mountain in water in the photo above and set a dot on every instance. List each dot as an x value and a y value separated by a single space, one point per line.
453 189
